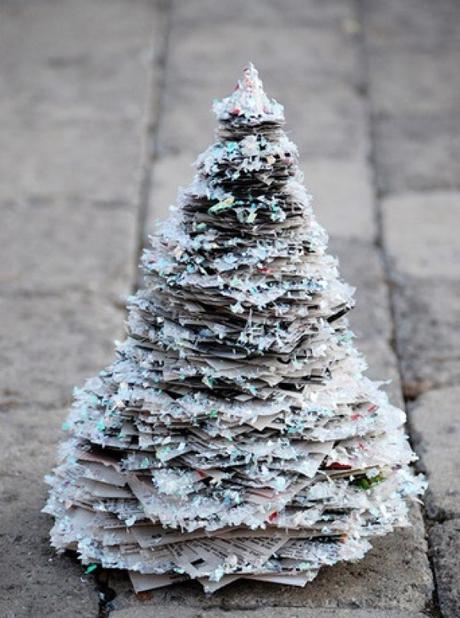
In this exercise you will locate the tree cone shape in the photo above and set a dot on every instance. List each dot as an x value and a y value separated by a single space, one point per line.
235 434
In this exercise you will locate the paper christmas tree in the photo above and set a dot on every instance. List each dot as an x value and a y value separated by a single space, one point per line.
235 435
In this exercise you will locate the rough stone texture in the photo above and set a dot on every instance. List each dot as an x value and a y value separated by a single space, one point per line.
172 611
412 49
421 233
74 76
435 423
34 580
342 196
445 545
415 109
66 244
74 79
428 339
421 239
412 53
50 342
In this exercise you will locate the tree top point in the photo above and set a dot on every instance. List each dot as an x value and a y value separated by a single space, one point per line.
248 103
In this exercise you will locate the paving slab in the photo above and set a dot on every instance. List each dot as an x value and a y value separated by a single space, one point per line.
67 244
342 196
420 231
435 423
421 234
34 580
412 52
445 548
51 343
72 114
75 78
428 339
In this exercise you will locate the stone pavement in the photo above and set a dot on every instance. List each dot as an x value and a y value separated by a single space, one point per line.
103 106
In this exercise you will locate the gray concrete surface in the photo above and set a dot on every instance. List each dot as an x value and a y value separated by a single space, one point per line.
412 54
104 105
72 113
421 238
435 426
445 539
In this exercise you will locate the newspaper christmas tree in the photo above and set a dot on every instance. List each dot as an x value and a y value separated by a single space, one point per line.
235 435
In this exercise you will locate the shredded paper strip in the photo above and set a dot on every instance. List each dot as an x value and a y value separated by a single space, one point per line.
235 435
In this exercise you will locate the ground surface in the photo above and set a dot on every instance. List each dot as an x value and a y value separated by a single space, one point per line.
103 105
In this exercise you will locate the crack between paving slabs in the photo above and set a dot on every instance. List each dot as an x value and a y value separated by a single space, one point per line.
154 108
433 606
154 114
